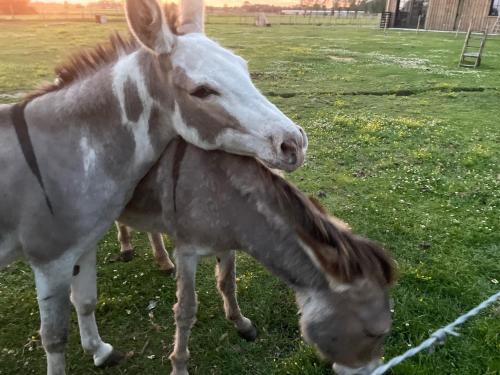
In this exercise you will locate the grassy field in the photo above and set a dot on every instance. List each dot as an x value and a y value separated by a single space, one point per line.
403 145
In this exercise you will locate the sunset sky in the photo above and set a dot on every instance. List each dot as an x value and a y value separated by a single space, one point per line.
208 2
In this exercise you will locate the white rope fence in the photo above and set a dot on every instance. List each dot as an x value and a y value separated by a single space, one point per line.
436 337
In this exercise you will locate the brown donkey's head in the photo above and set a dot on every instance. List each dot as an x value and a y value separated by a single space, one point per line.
347 318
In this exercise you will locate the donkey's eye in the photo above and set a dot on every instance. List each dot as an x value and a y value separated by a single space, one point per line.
203 92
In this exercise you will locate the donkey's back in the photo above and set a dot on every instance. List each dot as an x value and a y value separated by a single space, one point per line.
193 195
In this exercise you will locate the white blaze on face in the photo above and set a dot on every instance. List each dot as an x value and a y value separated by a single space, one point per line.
127 69
208 64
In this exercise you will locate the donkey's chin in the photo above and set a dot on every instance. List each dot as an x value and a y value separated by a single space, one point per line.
365 370
287 164
281 165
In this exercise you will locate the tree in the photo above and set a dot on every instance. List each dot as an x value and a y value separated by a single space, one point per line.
375 6
16 7
314 4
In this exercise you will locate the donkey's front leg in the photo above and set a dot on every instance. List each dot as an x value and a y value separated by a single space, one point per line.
52 286
84 298
226 283
160 253
185 308
126 249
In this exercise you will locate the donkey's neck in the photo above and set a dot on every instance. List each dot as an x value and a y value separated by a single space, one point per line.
116 106
267 232
286 259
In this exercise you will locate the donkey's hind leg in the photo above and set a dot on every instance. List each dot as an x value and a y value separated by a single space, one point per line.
124 237
160 253
52 285
185 308
226 283
84 298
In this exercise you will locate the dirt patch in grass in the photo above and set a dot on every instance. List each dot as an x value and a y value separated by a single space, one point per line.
345 59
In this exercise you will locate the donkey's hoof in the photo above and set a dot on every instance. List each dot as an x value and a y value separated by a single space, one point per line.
127 256
249 334
115 358
168 271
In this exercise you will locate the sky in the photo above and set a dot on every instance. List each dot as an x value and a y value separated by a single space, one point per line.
208 2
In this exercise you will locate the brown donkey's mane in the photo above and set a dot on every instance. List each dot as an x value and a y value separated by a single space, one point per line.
85 62
342 254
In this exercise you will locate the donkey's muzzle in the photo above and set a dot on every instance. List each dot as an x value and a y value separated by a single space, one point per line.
291 151
365 370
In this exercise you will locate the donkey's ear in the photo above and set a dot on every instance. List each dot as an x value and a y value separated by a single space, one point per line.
147 23
327 260
192 16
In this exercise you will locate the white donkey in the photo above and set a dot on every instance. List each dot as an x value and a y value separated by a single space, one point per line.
72 153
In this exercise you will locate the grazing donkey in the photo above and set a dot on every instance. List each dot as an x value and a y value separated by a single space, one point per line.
72 153
213 202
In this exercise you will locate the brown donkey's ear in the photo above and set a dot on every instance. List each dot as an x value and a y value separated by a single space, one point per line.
327 259
349 258
147 23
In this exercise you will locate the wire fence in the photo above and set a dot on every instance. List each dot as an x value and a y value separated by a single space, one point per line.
438 336
338 18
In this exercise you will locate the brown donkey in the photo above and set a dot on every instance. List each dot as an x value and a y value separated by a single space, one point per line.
213 202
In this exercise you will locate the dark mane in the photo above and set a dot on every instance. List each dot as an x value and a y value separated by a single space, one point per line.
346 256
85 62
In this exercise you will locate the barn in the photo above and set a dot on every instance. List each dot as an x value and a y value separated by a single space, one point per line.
446 15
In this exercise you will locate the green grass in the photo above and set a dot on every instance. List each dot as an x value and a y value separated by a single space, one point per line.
403 145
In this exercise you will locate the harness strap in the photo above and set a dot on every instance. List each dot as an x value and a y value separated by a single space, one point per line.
23 136
180 150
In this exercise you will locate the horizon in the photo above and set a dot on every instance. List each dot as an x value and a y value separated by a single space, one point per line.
230 3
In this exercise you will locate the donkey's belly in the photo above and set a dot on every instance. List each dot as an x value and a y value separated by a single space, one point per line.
10 250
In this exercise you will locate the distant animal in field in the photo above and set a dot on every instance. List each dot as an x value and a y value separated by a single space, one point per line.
72 153
212 202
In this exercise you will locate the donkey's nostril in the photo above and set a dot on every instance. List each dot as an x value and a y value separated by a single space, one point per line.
289 151
284 147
